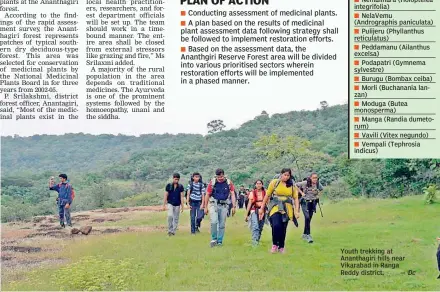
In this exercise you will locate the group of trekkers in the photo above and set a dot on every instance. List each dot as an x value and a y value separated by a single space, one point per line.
278 205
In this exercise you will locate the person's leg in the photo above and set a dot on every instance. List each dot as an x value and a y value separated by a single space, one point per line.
311 206
192 216
306 213
213 216
277 228
222 215
283 234
200 216
260 228
67 215
176 214
170 218
255 228
61 213
438 258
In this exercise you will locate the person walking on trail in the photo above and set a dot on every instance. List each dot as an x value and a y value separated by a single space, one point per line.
438 257
216 204
64 199
256 198
246 198
282 207
173 198
196 201
241 196
311 188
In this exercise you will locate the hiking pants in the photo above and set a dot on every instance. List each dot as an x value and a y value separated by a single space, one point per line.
229 210
217 215
438 257
64 212
308 209
173 218
279 229
240 202
195 214
256 227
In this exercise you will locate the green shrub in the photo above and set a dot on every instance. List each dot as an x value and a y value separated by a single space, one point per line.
430 193
337 190
97 274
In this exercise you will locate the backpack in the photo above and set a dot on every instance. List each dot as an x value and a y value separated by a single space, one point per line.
72 190
278 183
170 186
214 182
255 195
191 181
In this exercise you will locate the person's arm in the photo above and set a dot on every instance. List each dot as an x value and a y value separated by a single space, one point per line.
52 185
295 198
208 195
188 194
248 209
320 189
182 202
203 190
165 197
269 192
234 201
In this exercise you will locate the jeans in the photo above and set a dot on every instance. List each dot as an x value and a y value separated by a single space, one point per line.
438 257
256 227
240 202
217 215
64 212
279 229
308 209
173 218
195 214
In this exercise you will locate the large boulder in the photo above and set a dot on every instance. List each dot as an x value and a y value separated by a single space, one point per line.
85 230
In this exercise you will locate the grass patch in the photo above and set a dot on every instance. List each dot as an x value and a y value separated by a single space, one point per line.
152 261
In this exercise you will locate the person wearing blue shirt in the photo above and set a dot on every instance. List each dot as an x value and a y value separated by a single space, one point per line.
64 199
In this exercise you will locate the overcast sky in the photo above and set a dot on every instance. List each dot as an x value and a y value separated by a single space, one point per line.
190 108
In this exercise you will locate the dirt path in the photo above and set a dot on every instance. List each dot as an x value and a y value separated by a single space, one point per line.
26 245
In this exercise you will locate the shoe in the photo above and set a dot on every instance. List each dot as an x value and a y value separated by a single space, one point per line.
62 224
193 233
213 243
304 237
70 225
309 239
197 230
274 249
219 243
170 233
282 250
438 276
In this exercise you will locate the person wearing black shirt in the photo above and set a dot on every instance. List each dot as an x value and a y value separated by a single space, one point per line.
173 199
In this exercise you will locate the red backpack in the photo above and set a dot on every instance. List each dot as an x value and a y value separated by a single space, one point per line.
255 195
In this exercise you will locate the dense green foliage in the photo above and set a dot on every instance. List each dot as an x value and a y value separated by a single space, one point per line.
110 171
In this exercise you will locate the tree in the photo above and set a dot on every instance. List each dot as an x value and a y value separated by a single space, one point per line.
264 113
215 126
324 104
